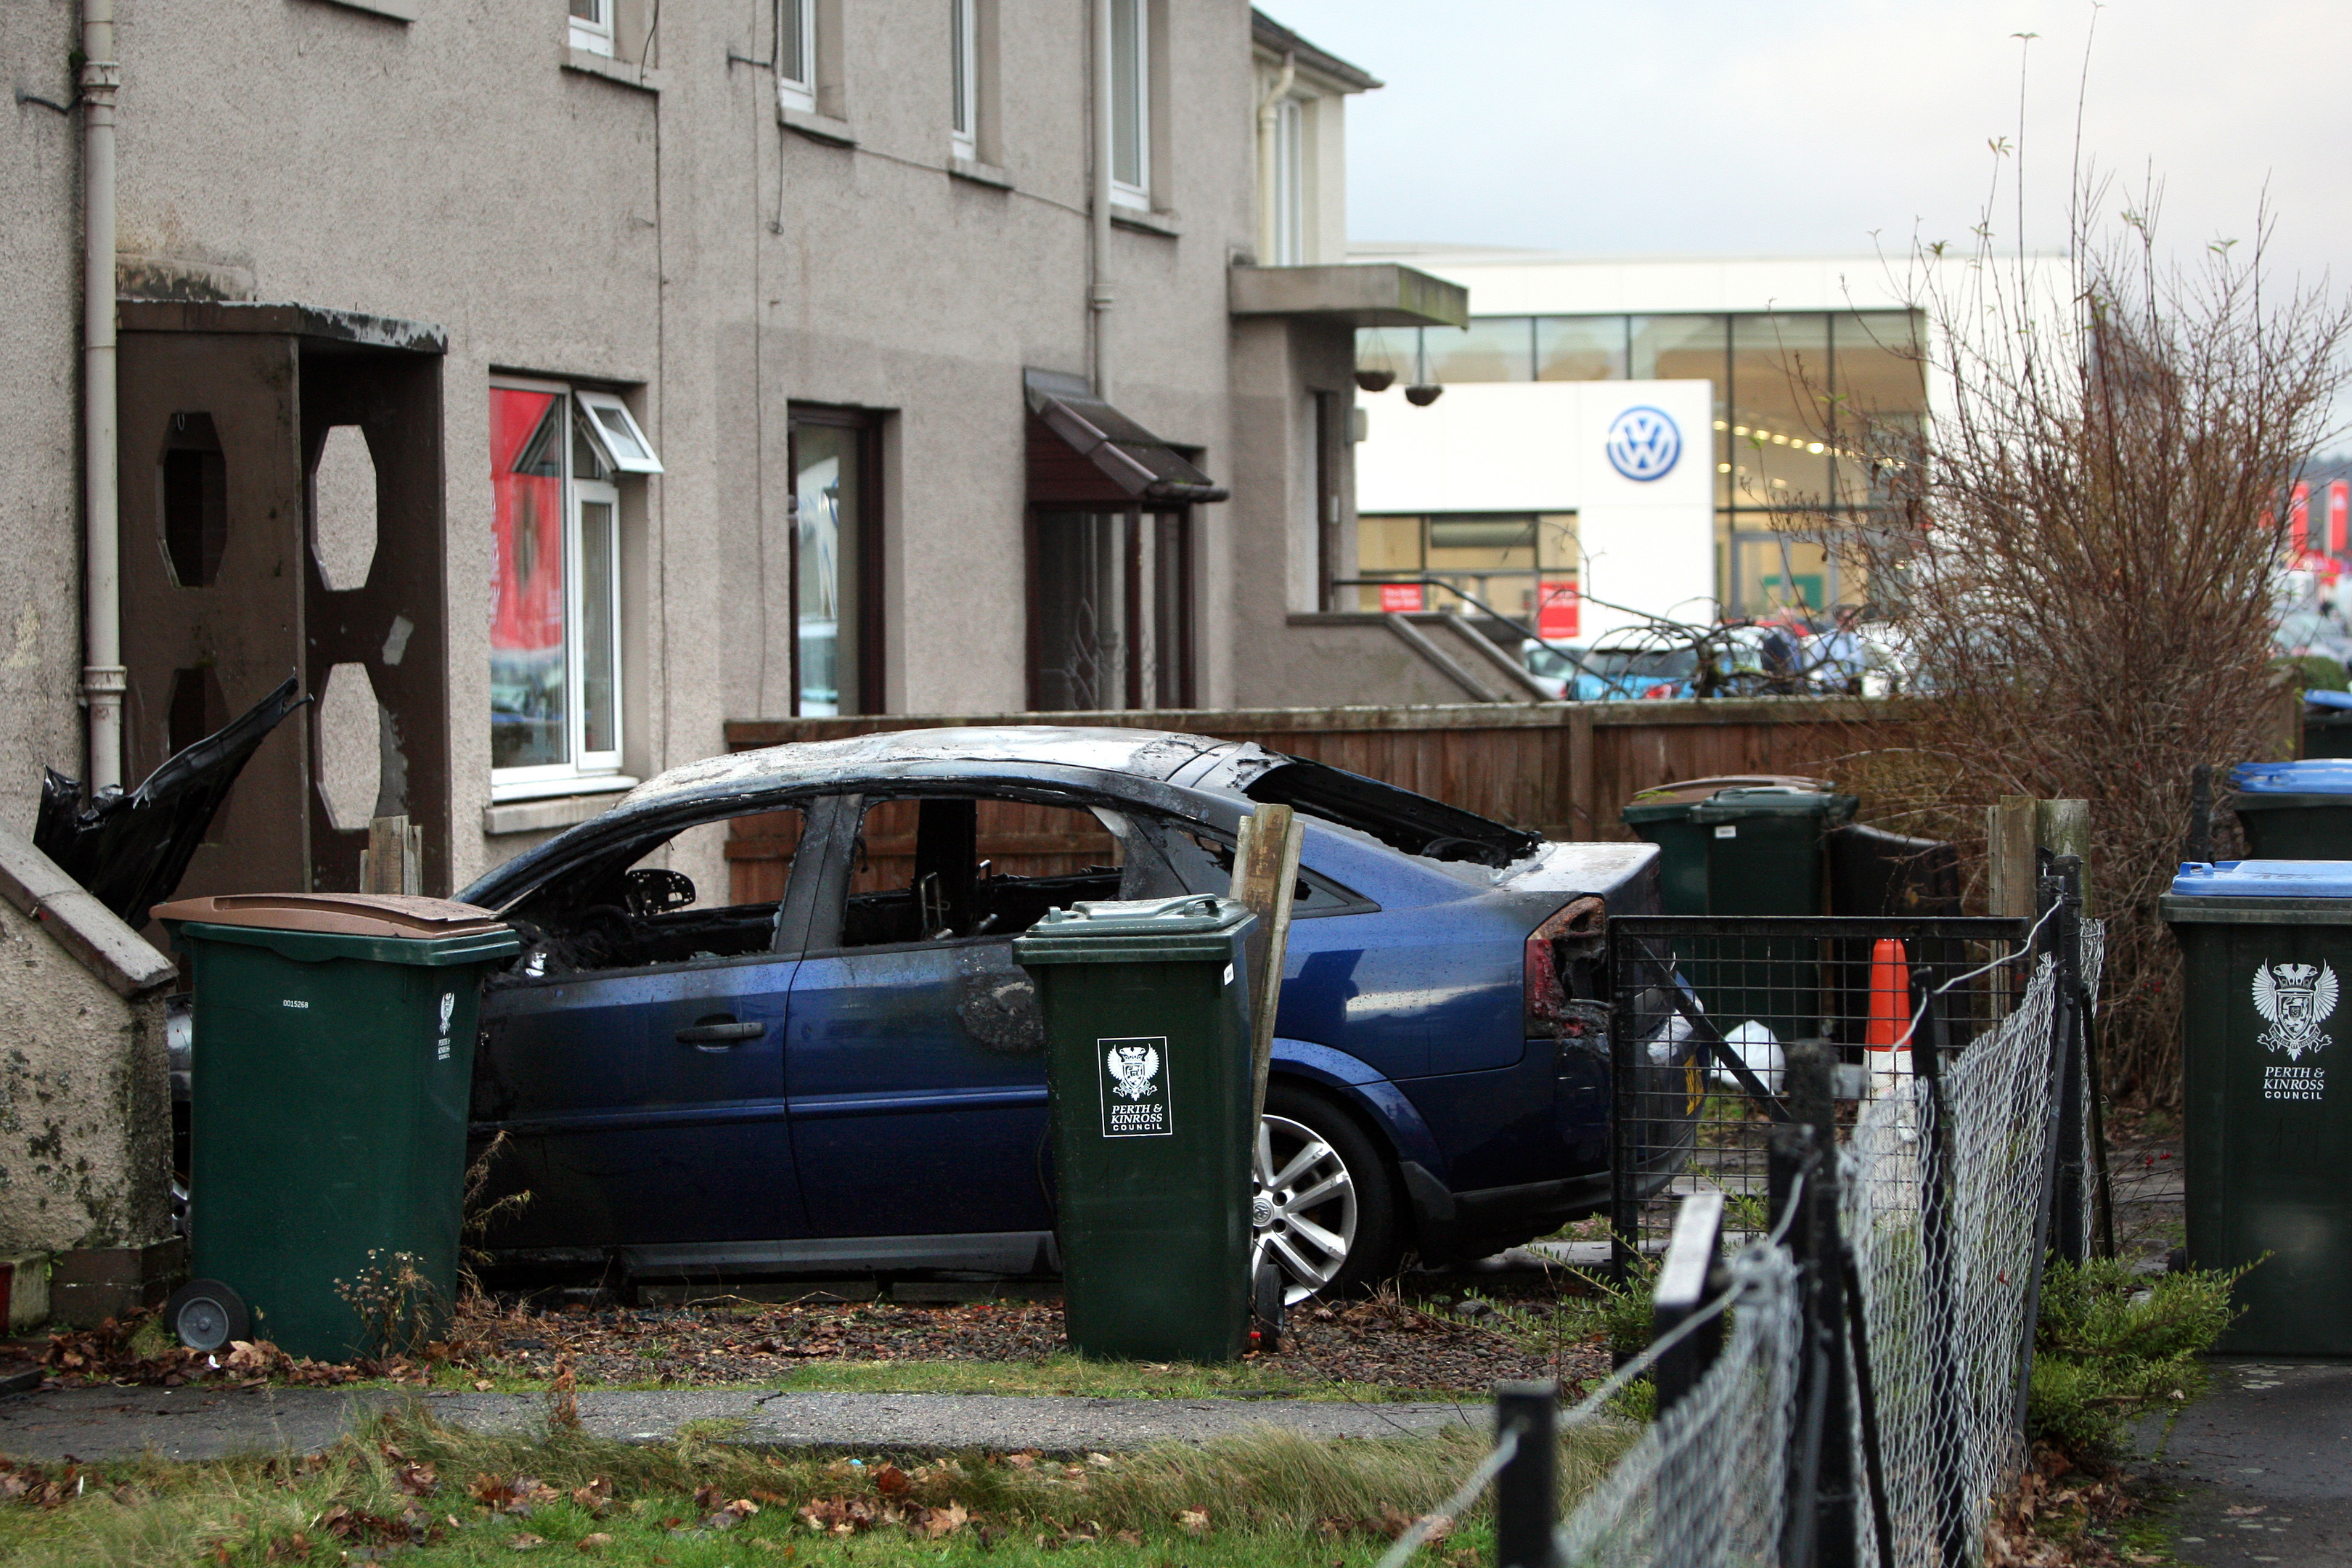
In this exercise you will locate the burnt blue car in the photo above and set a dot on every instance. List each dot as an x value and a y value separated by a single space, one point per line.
839 1067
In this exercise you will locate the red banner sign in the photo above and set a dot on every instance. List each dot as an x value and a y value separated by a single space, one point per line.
1557 611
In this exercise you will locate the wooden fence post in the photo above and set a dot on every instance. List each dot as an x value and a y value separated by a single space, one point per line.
2011 876
1266 876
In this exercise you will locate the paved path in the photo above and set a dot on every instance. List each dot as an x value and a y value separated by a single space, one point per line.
192 1424
2265 1460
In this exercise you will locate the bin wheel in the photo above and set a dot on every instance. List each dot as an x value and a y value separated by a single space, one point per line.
1267 1291
207 1315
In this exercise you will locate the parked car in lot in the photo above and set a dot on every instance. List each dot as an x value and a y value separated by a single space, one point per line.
836 1065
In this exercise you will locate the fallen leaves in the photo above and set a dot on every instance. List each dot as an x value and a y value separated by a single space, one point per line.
1193 1521
510 1494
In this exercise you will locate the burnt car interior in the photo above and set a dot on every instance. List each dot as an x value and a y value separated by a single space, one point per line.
612 913
935 869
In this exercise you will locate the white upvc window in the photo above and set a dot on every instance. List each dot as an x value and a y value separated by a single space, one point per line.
557 460
1289 194
591 27
1131 103
796 54
963 69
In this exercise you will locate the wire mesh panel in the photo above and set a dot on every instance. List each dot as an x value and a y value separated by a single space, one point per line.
1706 1483
1942 1212
1705 1006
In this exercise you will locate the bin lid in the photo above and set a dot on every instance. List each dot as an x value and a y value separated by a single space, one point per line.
1691 790
2319 699
2314 775
2265 879
1773 800
397 915
1196 925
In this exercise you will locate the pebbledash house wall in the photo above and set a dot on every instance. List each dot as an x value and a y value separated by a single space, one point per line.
647 222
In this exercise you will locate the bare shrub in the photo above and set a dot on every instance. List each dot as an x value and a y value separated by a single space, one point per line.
2079 558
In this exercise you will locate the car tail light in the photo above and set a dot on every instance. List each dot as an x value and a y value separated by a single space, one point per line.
1662 690
1549 1012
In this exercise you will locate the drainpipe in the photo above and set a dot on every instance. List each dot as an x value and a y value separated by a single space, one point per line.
1269 129
102 675
1099 295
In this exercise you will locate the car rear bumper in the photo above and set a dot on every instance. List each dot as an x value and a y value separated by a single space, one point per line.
1450 1226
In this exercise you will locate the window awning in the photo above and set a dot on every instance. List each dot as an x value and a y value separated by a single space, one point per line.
1139 465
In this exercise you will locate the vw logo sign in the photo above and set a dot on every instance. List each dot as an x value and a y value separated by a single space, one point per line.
1643 443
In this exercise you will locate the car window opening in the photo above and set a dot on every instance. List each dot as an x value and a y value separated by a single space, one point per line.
1397 818
618 913
939 869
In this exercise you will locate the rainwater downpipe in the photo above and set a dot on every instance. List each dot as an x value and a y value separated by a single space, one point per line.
102 675
1269 163
1098 294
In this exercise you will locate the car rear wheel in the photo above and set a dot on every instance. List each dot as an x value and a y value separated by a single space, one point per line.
1322 1207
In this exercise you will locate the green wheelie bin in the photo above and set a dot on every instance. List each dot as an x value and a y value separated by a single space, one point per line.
1147 1067
2294 811
1748 845
2268 947
333 1069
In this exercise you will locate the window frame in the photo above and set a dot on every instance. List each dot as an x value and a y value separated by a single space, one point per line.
963 79
796 77
583 770
868 651
602 408
593 34
1289 193
1135 194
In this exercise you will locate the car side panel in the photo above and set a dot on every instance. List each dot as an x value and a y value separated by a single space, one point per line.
1501 1127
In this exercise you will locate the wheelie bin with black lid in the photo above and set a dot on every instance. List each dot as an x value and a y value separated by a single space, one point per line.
332 1059
1147 1067
2268 948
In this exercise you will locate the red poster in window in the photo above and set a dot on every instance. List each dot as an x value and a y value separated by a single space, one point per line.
1557 611
2298 519
1400 598
527 674
2339 515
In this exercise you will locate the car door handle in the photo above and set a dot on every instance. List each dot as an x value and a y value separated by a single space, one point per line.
721 1034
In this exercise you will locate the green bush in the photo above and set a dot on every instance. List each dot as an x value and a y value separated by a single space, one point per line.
2111 1345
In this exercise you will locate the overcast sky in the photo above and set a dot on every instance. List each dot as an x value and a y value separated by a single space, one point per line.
1682 127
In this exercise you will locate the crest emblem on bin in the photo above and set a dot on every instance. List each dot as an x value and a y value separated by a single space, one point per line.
2296 998
1135 1088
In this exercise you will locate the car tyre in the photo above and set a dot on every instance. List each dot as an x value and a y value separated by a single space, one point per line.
1329 1223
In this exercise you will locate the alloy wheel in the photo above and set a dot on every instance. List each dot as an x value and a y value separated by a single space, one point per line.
1302 1206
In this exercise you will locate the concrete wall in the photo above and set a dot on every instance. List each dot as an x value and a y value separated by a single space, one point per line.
40 383
85 1109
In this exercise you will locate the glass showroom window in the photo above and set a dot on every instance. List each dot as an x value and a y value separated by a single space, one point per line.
1130 104
963 78
795 53
556 460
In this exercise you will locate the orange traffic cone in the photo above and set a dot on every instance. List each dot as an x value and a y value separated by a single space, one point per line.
1890 997
1888 1037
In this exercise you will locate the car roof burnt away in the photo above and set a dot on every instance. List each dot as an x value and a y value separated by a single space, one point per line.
1397 818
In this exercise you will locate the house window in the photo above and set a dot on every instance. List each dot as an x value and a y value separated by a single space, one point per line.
836 560
1289 183
963 70
1130 104
558 459
795 54
592 26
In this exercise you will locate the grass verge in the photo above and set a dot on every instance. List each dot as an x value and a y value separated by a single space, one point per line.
438 1495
